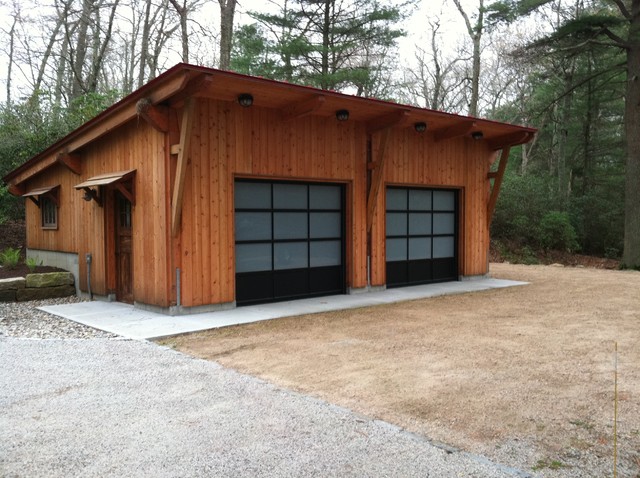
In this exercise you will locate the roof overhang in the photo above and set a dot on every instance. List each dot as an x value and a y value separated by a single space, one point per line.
184 81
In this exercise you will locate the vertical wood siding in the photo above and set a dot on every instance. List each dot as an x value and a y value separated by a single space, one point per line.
230 142
81 224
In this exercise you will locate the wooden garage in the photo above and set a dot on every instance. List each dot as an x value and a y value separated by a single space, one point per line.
207 189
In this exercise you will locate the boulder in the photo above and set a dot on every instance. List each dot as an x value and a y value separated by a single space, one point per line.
8 295
50 279
39 293
12 283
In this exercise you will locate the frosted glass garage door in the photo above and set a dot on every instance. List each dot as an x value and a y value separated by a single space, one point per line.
421 235
289 240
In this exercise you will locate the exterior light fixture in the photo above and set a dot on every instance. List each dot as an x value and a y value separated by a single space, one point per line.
477 135
342 115
245 100
420 126
88 194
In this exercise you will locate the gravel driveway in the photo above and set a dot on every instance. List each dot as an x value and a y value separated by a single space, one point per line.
110 407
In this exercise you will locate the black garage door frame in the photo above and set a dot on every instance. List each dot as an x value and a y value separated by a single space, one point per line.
421 235
289 240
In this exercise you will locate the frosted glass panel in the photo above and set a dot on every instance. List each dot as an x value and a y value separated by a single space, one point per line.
325 224
253 226
289 225
419 200
419 223
325 253
443 223
396 199
396 224
252 195
419 248
443 200
290 255
396 250
289 196
324 197
443 247
253 257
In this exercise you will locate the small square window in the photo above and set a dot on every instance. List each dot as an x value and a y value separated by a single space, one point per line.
49 212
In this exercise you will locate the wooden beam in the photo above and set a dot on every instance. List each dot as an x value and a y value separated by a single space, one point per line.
194 86
73 162
17 189
395 118
302 108
378 175
455 131
129 194
175 149
493 199
181 167
510 139
156 115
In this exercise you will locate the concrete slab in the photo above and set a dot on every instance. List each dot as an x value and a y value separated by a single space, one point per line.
130 322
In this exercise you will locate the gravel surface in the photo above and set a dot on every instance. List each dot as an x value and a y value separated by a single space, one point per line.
126 408
23 319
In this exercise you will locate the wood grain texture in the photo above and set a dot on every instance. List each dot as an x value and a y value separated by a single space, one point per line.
230 142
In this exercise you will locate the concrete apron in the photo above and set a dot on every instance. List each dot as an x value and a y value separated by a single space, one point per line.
133 323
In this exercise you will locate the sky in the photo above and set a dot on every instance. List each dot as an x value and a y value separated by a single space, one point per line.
452 28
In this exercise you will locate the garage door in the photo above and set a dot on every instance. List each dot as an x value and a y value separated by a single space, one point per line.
289 240
421 236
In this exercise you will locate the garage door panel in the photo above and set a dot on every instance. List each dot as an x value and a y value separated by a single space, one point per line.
291 283
292 248
421 235
254 287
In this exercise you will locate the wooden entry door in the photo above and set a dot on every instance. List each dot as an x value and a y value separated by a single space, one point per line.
124 250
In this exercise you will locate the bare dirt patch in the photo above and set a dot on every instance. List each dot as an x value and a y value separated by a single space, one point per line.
524 375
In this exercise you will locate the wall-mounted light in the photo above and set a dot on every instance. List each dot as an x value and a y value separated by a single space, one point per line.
477 135
342 115
89 194
245 100
420 126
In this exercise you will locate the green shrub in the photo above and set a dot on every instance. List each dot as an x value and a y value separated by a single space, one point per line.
556 232
32 263
10 257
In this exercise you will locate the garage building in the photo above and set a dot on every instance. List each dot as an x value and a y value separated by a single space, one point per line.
207 189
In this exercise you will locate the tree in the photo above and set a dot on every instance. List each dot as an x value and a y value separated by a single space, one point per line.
475 32
614 24
227 11
333 44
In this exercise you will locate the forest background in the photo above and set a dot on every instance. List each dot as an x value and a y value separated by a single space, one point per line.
567 67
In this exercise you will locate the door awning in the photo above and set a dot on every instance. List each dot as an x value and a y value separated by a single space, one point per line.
49 191
39 191
118 179
106 179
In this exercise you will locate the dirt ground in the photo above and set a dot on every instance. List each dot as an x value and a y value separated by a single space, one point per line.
524 375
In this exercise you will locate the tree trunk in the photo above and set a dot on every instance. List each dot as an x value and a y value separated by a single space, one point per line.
80 53
12 34
144 43
182 13
475 34
326 27
631 254
227 11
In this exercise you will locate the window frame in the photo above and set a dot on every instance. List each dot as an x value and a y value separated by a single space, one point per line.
48 206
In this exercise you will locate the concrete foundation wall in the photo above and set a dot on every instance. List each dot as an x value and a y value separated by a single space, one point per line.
64 260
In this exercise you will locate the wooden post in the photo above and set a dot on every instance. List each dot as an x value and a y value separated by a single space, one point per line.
181 167
497 182
378 176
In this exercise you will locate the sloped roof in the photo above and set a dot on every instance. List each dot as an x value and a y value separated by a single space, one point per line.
183 80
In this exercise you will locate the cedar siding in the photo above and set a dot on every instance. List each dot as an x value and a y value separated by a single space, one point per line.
290 133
